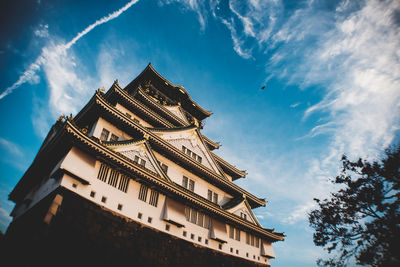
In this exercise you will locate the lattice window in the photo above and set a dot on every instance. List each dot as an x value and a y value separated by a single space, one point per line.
191 185
114 138
143 192
153 198
113 179
104 134
200 219
215 198
193 217
103 172
231 232
185 182
237 234
207 222
209 195
187 213
123 183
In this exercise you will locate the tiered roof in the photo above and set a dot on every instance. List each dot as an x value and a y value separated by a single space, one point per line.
152 106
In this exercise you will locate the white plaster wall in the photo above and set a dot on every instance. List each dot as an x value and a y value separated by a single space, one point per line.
176 173
125 110
102 123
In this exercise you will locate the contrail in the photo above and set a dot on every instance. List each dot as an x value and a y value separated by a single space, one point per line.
30 73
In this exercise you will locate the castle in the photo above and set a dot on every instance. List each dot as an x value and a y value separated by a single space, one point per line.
133 166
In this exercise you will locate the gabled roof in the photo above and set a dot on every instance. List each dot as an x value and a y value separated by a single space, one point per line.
175 92
229 168
126 146
240 203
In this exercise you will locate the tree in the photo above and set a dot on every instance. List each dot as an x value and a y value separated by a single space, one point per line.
361 220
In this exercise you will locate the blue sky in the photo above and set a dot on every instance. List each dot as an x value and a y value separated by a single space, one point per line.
331 71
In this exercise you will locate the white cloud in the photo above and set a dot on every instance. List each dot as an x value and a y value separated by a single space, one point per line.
42 31
52 52
12 148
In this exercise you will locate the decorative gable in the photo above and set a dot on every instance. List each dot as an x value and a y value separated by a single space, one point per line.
242 209
140 153
177 112
189 142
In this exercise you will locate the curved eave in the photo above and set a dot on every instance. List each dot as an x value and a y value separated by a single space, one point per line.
178 91
155 140
210 143
167 186
135 104
229 168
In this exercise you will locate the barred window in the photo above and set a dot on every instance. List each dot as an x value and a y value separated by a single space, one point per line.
123 183
113 179
187 213
252 240
248 238
191 185
207 222
200 218
193 218
139 161
209 195
231 232
104 134
103 172
143 192
256 242
215 199
153 198
185 182
237 234
164 167
114 138
199 158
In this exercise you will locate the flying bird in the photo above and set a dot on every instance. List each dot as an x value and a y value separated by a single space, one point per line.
262 88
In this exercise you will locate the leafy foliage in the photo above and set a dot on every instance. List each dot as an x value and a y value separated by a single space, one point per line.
361 221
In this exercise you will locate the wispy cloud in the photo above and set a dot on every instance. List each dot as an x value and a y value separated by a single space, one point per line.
53 51
11 148
42 31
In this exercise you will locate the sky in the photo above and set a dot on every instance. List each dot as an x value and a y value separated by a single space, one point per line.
331 71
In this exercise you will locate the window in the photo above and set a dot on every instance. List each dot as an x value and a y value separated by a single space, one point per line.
184 233
164 167
243 215
167 227
103 172
104 134
191 185
113 178
209 195
199 239
143 192
187 213
139 161
237 234
114 138
206 241
231 249
119 207
188 183
215 198
149 220
123 183
185 182
139 215
200 218
192 236
193 217
153 198
237 251
231 232
74 185
103 199
248 238
191 154
220 246
256 242
92 194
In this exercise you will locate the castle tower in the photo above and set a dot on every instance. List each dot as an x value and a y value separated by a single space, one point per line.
133 168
